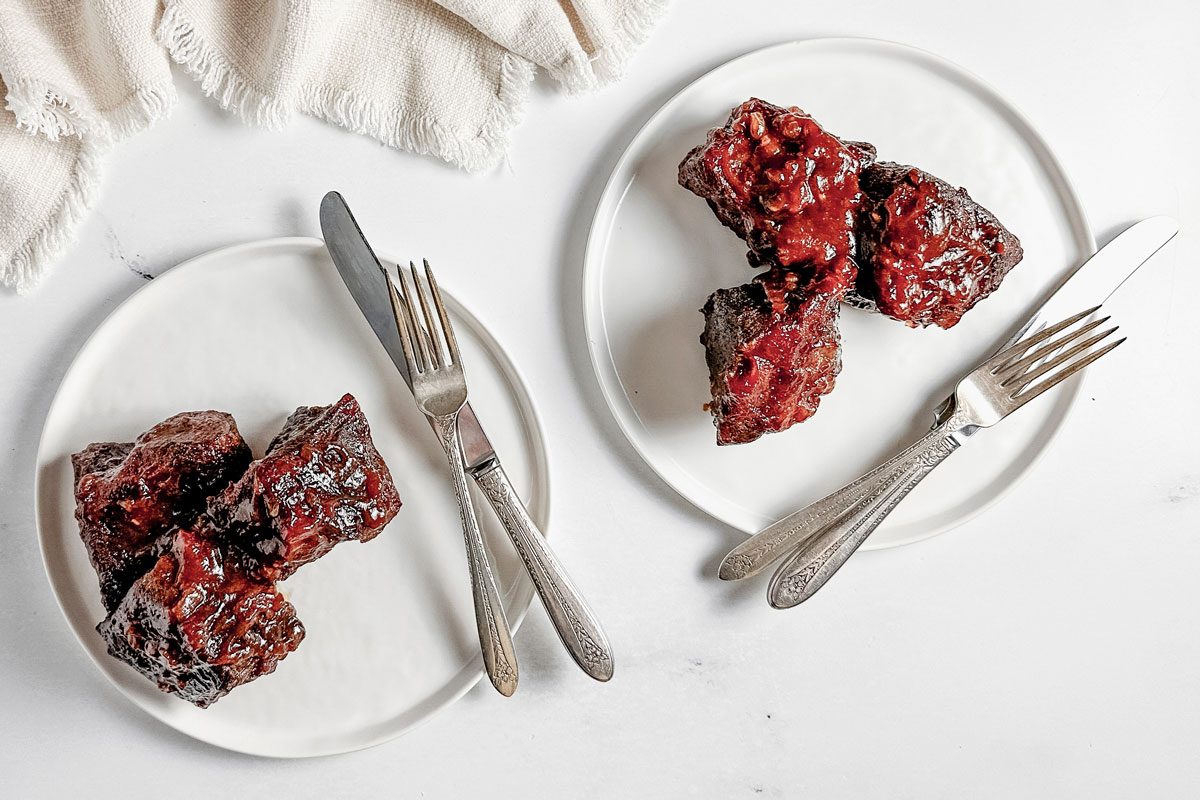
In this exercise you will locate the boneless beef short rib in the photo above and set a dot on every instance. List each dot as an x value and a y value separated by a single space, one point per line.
321 482
188 537
773 350
781 182
201 621
928 252
830 225
129 494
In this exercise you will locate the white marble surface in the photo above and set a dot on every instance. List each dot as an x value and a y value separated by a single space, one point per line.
1048 648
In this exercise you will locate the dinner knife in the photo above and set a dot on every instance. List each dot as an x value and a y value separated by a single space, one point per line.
1092 283
574 622
1101 275
1107 269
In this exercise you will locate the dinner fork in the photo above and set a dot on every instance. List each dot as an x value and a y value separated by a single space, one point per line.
440 388
992 391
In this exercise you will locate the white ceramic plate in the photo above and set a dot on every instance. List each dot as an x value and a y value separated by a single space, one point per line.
656 252
258 330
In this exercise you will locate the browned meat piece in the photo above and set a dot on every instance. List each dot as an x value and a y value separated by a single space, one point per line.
781 182
928 252
129 494
830 225
321 482
201 621
773 350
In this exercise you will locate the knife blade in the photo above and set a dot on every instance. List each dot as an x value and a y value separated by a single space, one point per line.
573 620
1099 277
1092 283
358 265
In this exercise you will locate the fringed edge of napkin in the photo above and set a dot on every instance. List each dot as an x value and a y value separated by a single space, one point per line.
396 128
391 125
27 264
633 30
620 39
216 77
43 110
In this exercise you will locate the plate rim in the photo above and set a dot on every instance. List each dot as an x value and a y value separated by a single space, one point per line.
520 595
595 328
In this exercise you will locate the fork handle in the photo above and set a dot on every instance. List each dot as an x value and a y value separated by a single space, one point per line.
826 549
778 539
575 623
495 640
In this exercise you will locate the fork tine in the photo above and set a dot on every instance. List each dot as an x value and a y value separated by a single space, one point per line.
1067 372
1014 369
1001 359
423 332
447 329
429 326
400 316
411 316
1019 382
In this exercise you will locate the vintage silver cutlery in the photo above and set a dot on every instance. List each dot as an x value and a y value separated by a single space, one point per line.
574 622
988 394
1095 280
440 387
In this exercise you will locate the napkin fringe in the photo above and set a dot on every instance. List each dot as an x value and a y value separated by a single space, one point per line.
48 111
608 62
144 107
213 72
42 109
27 264
395 127
512 99
389 124
632 30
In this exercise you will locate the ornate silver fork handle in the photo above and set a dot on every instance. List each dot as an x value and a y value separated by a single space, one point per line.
826 549
988 394
494 637
573 620
773 542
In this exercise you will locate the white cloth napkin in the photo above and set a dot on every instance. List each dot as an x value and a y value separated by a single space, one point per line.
448 78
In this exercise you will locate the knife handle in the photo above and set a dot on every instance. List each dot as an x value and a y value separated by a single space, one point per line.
495 640
573 620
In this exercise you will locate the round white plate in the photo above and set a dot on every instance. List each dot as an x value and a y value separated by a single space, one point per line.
258 330
656 252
